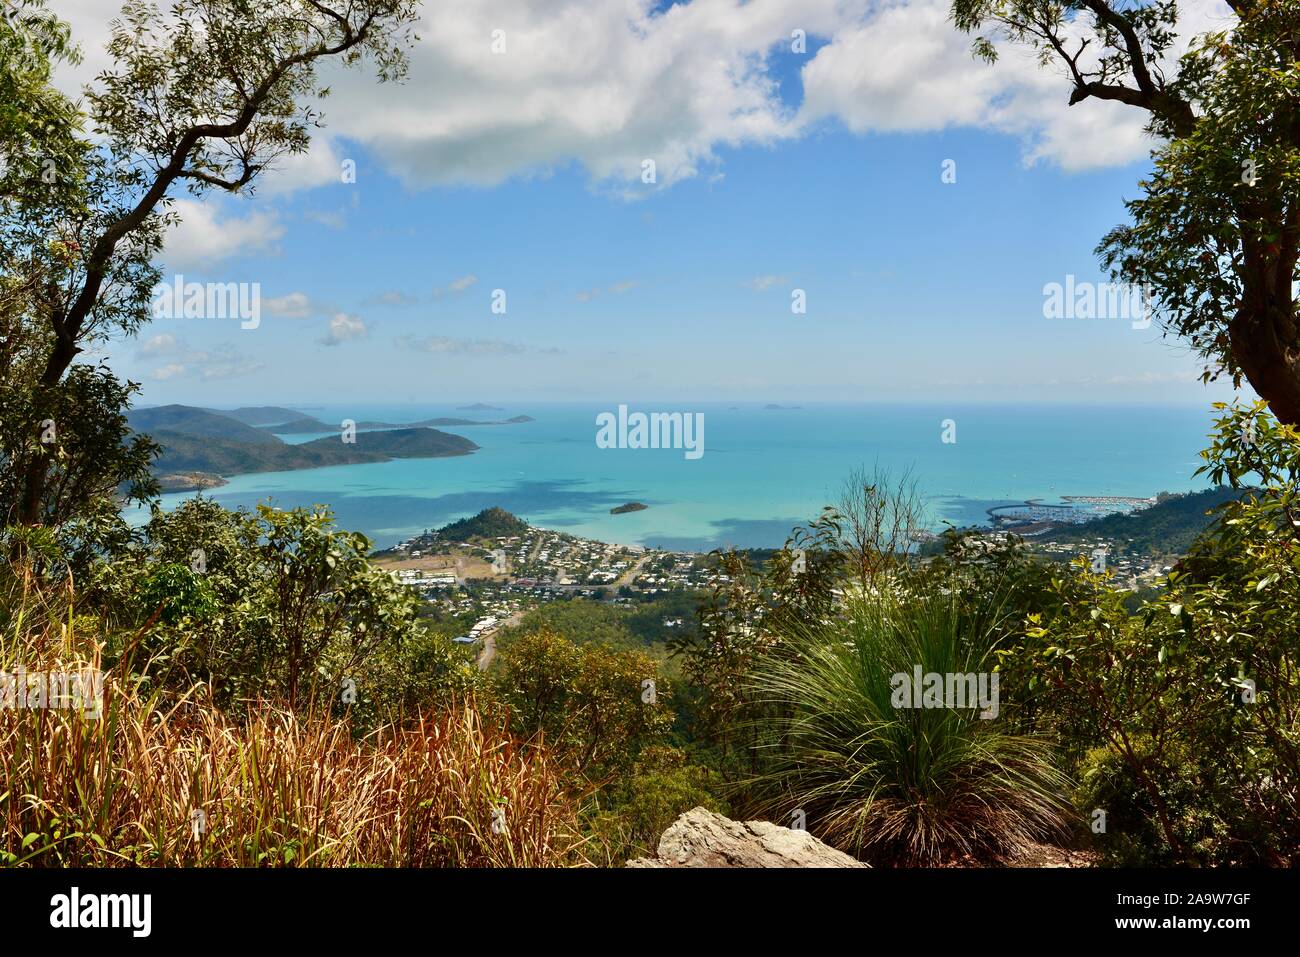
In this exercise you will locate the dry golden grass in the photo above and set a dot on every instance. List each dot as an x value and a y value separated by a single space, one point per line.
450 788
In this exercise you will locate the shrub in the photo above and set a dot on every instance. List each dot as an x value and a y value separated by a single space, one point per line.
896 784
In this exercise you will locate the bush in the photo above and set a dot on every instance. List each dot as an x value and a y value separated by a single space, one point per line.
902 785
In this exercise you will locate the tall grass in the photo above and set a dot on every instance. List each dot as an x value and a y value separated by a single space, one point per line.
274 788
911 786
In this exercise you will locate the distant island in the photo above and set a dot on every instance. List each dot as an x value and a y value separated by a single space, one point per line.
478 407
200 446
773 405
307 424
628 507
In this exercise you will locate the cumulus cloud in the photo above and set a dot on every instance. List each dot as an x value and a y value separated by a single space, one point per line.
204 238
906 68
344 328
611 84
764 283
159 345
169 371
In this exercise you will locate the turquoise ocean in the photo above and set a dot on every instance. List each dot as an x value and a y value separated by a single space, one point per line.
763 470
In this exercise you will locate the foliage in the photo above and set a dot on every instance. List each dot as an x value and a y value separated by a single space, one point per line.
1197 693
76 436
594 707
295 612
1215 237
886 780
662 785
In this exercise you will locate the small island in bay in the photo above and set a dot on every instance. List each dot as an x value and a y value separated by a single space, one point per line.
189 482
628 507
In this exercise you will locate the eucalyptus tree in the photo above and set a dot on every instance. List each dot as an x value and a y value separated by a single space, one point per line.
1215 234
204 95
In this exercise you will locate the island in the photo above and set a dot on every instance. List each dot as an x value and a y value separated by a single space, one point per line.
189 482
201 447
309 424
628 507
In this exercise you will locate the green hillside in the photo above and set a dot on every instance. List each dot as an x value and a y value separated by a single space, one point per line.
1168 527
490 523
197 422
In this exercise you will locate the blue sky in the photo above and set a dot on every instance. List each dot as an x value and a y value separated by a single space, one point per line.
618 291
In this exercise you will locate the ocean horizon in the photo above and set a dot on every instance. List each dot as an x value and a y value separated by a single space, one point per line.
763 470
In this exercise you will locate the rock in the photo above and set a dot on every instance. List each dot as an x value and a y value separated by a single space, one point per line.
700 838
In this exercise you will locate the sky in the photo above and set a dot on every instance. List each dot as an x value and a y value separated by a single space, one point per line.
800 152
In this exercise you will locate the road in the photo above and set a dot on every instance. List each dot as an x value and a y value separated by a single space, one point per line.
489 650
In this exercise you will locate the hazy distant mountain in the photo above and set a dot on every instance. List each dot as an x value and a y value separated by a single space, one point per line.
260 414
200 422
478 407
303 426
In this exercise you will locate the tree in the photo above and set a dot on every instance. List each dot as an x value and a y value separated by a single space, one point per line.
294 611
878 518
593 705
1215 238
205 96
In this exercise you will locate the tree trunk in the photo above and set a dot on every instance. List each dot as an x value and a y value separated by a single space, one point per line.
1264 341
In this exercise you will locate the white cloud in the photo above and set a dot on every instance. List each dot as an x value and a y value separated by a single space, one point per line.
169 371
764 283
219 362
611 83
160 345
463 283
444 345
202 238
908 69
296 305
344 328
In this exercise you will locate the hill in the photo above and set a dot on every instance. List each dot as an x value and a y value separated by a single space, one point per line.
211 443
489 523
259 414
417 443
198 422
1168 527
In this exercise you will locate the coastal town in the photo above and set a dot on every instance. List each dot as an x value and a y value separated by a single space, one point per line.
483 574
485 584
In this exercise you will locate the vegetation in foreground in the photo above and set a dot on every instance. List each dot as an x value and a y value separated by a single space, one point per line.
271 698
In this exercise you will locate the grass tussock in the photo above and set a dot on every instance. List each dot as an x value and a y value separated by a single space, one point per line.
901 785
